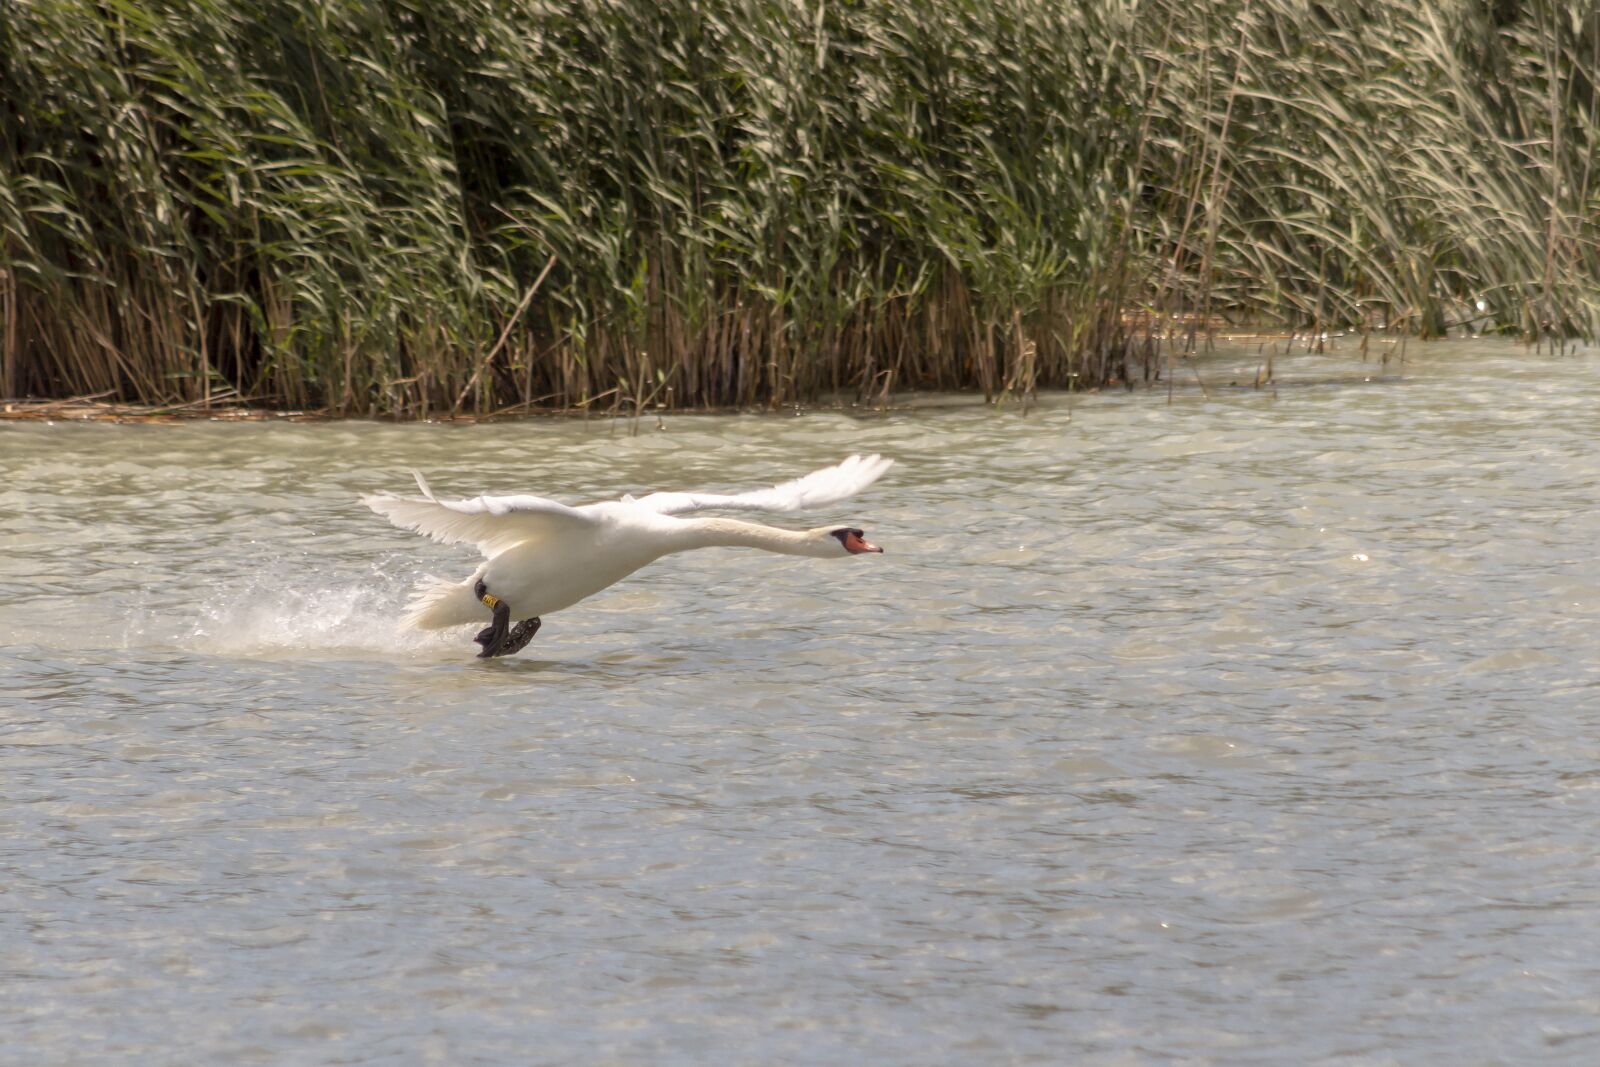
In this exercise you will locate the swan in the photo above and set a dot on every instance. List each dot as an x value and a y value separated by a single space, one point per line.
541 556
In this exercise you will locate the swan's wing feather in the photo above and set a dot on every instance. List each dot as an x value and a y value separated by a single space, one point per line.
826 486
492 523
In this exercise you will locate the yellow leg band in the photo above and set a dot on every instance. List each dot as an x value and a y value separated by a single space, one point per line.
491 601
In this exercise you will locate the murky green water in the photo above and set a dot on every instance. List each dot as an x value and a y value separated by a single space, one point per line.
1259 728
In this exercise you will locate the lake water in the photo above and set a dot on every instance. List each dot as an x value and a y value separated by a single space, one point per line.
1257 727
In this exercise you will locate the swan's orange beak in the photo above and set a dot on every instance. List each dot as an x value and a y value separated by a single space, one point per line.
855 543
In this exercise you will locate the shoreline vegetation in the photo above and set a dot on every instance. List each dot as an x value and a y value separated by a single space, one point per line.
1381 358
436 208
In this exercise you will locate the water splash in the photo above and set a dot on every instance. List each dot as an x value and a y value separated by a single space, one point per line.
279 612
334 619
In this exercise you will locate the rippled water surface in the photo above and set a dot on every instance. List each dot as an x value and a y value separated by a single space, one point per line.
1260 727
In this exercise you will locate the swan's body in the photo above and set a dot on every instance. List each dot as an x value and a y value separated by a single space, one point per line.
541 556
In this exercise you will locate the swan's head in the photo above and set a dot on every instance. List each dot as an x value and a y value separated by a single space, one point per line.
854 541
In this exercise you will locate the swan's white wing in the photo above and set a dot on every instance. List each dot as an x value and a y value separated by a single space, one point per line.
492 523
816 489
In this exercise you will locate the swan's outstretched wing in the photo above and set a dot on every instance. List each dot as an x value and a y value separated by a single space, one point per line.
492 523
826 486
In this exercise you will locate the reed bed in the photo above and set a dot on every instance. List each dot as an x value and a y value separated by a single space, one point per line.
419 207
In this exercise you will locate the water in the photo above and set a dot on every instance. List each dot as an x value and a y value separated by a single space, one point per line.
1263 727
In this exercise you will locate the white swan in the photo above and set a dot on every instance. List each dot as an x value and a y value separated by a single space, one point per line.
542 556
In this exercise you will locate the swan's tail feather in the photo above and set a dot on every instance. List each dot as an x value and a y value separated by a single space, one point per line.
438 603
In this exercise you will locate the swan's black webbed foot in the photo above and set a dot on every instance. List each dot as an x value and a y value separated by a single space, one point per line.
519 637
486 637
493 637
500 638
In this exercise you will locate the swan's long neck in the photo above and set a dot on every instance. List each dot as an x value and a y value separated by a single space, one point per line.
731 533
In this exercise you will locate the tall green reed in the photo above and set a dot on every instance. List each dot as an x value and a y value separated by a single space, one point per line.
411 207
